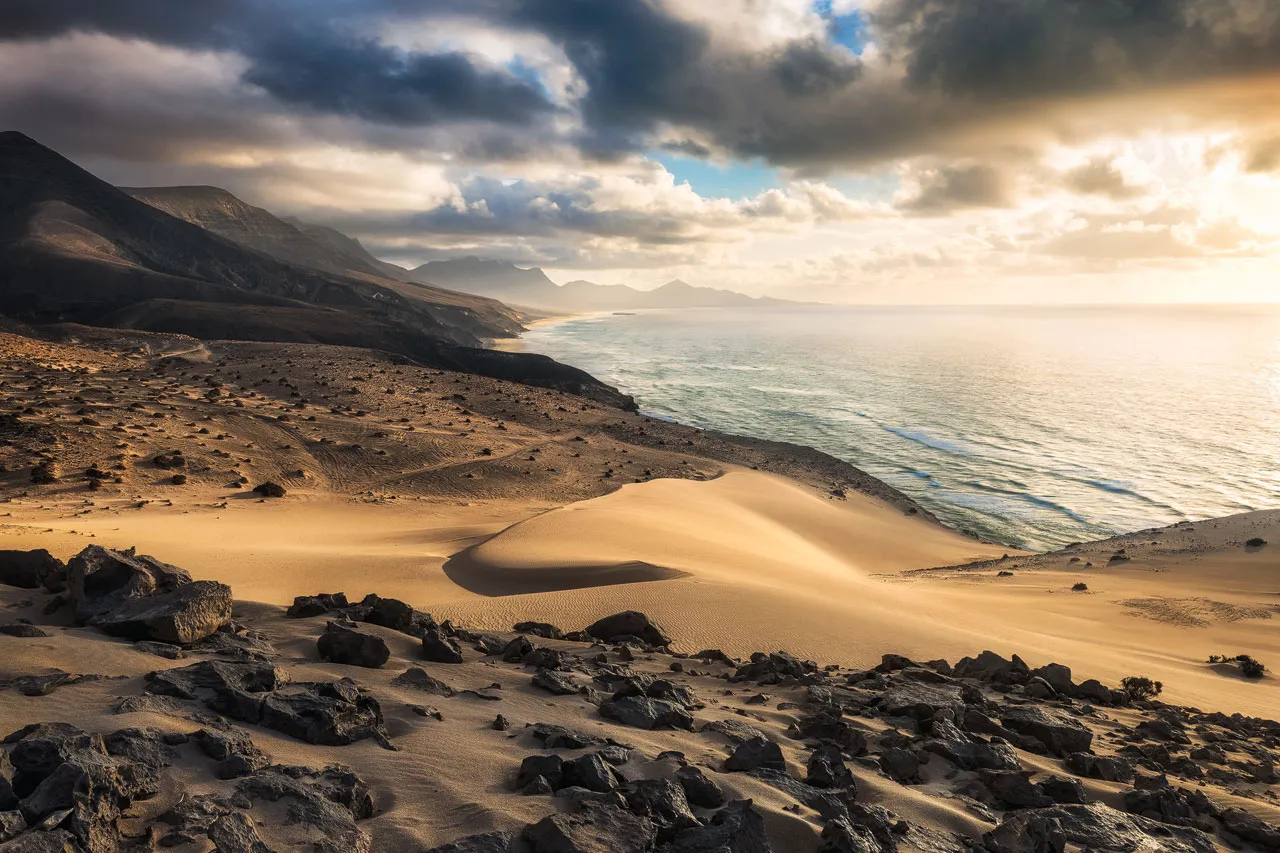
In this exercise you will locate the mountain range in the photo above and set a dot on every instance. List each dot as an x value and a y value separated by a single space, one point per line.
201 262
532 288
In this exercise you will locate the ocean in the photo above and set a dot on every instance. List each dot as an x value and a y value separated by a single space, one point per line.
1034 427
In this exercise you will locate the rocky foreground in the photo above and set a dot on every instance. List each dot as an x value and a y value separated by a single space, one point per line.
1034 761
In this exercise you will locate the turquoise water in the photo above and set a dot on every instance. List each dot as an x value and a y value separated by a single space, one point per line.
1031 426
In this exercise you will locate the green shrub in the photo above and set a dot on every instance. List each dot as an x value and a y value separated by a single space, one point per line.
1139 687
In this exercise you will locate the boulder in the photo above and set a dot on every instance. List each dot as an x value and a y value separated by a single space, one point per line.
438 648
901 765
1062 734
1094 827
30 569
699 789
1012 789
755 754
100 580
921 701
485 842
826 769
595 828
334 713
233 749
630 623
187 614
554 682
325 803
342 644
270 490
545 630
305 606
23 630
234 832
206 677
989 666
1058 677
1104 767
645 713
737 828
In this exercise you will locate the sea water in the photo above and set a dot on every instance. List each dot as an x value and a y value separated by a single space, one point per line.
1034 427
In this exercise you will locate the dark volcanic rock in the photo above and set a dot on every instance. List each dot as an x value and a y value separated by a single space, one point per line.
420 679
773 668
1096 827
554 682
100 580
23 630
1062 734
755 754
187 614
989 666
233 749
342 644
630 623
737 828
826 769
326 803
545 630
213 675
235 833
922 701
699 789
485 842
594 829
560 737
439 648
332 713
316 605
645 713
1107 768
270 490
30 569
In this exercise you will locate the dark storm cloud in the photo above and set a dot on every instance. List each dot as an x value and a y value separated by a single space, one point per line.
945 74
1004 49
324 71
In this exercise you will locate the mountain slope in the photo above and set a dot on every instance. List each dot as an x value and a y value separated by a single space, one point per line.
75 248
532 288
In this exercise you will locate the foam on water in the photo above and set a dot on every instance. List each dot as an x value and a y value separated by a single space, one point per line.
1032 426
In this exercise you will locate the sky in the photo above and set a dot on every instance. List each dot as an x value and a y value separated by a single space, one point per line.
882 151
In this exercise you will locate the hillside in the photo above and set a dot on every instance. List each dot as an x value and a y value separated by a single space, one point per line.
532 288
75 248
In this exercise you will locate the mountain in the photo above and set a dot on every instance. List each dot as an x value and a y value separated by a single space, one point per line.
531 288
74 248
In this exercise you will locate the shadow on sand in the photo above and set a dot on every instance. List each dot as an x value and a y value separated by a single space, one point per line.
475 575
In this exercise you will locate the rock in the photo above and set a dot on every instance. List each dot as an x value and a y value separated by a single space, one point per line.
737 828
485 842
188 614
1093 826
189 682
11 823
161 650
1063 789
1012 789
827 723
270 490
1057 676
341 644
901 765
305 606
662 801
100 580
547 767
439 648
1038 688
1063 735
645 713
234 751
420 679
630 623
968 755
325 803
989 666
515 650
545 630
1106 768
1095 691
23 630
699 790
841 836
1251 828
235 833
755 754
921 701
554 682
826 769
773 668
590 771
593 829
333 713
30 569
56 841
560 737
392 613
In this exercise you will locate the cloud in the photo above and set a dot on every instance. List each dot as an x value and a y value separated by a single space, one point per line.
944 189
1101 176
327 72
